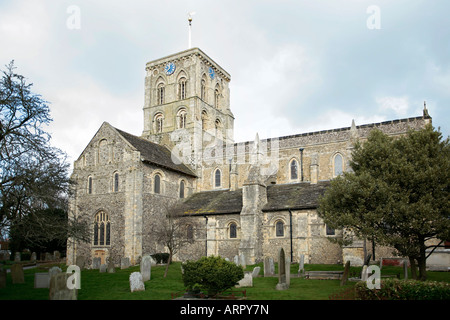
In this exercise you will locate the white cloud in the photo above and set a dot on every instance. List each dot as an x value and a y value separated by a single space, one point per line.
400 105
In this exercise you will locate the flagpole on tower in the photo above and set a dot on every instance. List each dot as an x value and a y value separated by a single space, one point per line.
190 14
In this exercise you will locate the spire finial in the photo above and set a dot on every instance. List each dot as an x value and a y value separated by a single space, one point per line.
190 14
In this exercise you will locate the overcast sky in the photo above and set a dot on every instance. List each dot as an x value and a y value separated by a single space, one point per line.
296 66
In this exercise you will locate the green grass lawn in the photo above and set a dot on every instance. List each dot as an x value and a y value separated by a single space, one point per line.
115 286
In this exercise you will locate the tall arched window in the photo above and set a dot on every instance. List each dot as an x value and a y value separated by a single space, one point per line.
160 94
157 184
116 182
159 122
89 185
218 128
217 178
216 97
182 88
203 90
204 119
279 228
293 169
181 189
233 230
102 229
338 165
182 118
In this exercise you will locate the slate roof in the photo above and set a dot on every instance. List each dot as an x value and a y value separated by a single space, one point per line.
279 197
155 154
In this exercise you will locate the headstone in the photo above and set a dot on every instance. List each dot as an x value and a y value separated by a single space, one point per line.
236 260
96 262
53 270
48 256
58 289
80 262
102 268
247 281
242 260
405 269
269 267
146 268
288 271
17 257
136 282
364 273
41 280
124 263
111 268
17 273
282 285
301 265
346 273
255 272
2 278
56 255
33 257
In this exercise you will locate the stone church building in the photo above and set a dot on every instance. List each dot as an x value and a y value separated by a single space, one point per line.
247 198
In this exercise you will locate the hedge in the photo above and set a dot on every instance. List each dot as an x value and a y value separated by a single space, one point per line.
394 289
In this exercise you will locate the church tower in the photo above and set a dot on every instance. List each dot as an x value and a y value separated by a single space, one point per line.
187 104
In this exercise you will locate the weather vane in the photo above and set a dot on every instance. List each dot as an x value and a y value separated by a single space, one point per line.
190 14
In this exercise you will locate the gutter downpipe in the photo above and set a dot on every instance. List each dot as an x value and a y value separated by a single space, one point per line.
290 231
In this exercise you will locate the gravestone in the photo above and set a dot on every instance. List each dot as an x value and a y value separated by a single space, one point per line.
288 271
80 262
242 260
146 268
364 273
58 289
111 268
247 281
56 255
17 257
54 270
102 268
96 262
136 283
301 266
124 263
17 273
255 272
41 280
346 273
269 267
48 256
2 278
33 257
236 260
282 284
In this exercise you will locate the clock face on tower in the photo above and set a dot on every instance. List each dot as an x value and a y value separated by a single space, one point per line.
212 73
169 68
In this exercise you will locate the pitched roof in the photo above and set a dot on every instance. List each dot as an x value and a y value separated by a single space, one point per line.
155 154
279 197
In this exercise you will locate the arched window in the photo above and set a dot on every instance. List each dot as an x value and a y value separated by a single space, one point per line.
293 169
329 231
116 182
102 229
217 178
338 165
160 94
233 230
182 118
89 185
216 97
159 122
182 88
204 119
279 229
218 128
203 90
181 189
157 184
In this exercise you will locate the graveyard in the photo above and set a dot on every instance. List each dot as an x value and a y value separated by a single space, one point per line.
101 284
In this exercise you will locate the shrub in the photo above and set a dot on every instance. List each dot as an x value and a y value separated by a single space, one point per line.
394 289
211 275
160 257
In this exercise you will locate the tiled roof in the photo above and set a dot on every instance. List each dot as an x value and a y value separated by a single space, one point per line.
155 153
279 197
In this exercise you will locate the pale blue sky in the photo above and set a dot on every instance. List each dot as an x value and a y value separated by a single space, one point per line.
296 66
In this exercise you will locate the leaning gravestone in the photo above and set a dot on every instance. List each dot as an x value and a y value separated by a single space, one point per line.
282 284
58 289
247 281
364 273
255 272
269 267
2 278
124 263
146 268
136 283
17 273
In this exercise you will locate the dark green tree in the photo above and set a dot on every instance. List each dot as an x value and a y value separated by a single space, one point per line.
397 194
